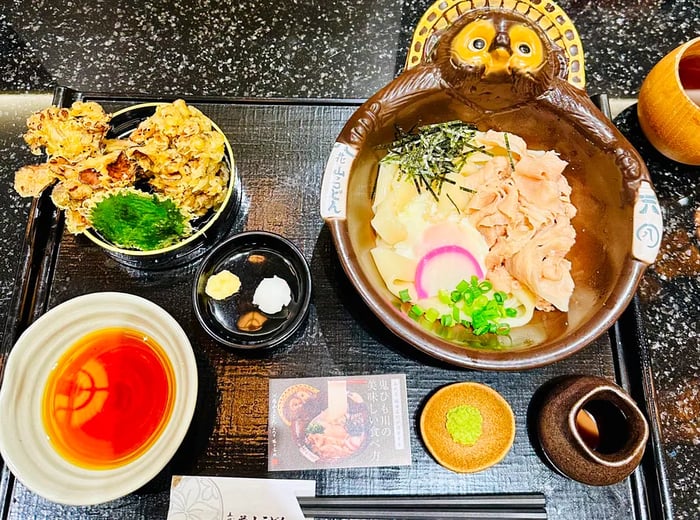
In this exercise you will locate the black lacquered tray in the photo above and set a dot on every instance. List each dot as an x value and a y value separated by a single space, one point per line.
281 148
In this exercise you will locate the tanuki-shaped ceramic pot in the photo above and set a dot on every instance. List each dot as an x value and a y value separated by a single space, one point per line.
513 66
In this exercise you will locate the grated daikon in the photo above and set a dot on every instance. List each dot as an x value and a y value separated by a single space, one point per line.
272 295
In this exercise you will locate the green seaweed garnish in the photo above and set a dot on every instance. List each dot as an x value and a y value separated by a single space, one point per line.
141 221
509 152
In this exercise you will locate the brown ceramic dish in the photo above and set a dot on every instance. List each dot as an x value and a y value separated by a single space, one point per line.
591 430
618 223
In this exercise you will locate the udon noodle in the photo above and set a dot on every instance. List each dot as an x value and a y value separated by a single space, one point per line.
497 217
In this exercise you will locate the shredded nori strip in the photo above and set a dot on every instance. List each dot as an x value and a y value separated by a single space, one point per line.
429 155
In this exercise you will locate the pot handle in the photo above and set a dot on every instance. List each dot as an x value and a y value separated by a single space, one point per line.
647 224
334 184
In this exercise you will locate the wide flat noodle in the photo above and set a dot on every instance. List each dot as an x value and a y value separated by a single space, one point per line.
397 271
517 200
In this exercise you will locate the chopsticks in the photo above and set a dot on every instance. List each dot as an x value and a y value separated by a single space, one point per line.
526 506
401 514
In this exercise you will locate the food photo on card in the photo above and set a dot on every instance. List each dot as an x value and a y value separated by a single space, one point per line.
338 422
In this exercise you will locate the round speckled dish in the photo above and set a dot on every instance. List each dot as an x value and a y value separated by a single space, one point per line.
253 256
498 427
24 442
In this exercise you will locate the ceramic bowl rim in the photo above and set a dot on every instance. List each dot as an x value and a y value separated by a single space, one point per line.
578 406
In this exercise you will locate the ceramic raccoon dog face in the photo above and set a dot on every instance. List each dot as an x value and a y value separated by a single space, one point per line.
501 50
499 45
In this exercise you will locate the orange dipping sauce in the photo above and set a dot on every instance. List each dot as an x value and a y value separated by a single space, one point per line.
108 398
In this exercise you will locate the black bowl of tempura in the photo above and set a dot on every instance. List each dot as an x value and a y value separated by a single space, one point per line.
485 209
154 184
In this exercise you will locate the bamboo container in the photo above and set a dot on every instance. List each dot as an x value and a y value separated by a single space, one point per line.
669 104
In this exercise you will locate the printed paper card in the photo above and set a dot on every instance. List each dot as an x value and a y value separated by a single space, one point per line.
338 422
228 498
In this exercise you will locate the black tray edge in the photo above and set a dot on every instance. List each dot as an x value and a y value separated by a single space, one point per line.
633 361
38 253
65 96
649 482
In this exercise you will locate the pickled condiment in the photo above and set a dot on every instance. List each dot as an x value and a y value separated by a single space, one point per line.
108 398
251 321
222 285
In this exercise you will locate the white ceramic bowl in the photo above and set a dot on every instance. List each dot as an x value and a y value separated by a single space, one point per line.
24 443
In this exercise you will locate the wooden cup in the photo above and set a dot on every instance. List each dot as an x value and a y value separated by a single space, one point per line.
669 104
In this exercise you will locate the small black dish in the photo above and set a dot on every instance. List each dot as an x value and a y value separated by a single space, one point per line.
253 256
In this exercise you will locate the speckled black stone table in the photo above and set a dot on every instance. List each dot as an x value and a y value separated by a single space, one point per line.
669 304
333 49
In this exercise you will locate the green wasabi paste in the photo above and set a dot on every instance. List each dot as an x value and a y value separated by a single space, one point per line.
464 424
139 221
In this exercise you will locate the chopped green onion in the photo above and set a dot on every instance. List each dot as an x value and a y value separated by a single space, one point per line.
483 329
416 311
432 314
481 301
485 286
503 329
444 297
473 305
